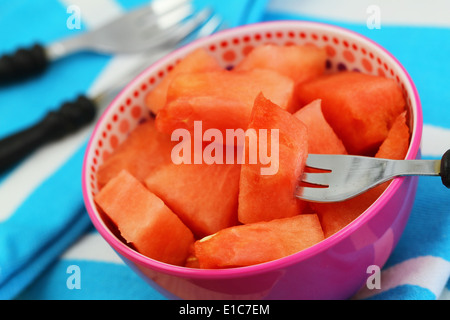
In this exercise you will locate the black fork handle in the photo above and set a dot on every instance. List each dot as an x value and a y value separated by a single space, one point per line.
445 169
23 63
70 117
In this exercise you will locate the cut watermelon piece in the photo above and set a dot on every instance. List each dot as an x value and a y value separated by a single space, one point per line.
197 61
192 261
251 244
214 112
397 142
204 196
335 216
221 99
141 152
321 137
360 108
298 62
242 86
144 220
263 197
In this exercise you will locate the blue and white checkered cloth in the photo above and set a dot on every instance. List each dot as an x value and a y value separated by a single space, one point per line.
45 232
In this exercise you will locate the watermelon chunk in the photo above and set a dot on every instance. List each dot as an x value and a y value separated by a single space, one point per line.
214 112
321 137
335 216
298 62
204 196
360 108
250 244
264 197
144 220
229 98
397 142
143 150
197 61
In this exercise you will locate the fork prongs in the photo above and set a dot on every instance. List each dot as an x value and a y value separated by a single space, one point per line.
157 8
320 179
320 169
183 30
204 21
153 10
314 187
323 162
342 177
164 6
214 24
168 18
316 183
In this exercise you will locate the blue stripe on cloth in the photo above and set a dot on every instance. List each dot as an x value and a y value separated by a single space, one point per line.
97 281
131 4
50 220
53 216
428 227
405 292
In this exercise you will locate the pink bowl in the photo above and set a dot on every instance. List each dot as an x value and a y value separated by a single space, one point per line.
335 268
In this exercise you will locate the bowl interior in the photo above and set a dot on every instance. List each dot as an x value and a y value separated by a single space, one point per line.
346 50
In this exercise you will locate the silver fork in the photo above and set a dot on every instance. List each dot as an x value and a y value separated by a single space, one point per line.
348 176
139 30
73 115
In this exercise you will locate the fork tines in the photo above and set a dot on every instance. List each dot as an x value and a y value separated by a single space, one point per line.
332 178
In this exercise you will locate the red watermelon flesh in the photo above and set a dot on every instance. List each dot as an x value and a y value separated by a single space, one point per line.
264 197
298 62
250 244
143 150
335 216
221 99
321 137
144 220
397 142
360 108
192 261
214 112
250 218
204 196
235 85
197 61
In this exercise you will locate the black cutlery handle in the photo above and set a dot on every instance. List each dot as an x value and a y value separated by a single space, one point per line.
445 169
23 63
70 117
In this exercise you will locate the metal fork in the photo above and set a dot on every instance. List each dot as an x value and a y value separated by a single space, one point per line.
139 30
73 115
348 176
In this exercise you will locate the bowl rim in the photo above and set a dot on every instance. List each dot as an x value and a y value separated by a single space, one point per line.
136 257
